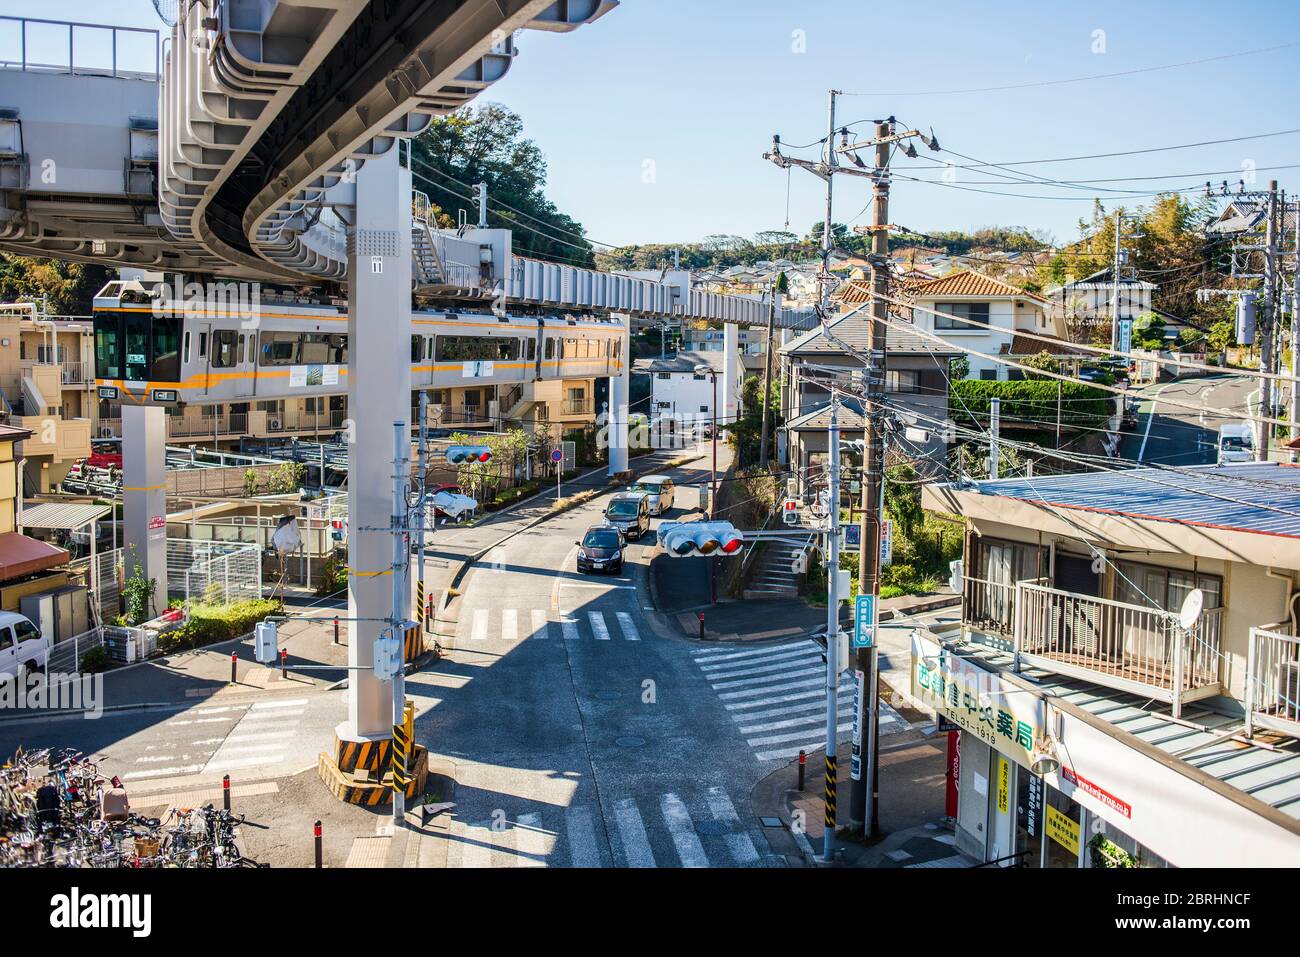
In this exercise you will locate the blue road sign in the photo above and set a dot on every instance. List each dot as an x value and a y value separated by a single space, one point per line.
864 621
557 455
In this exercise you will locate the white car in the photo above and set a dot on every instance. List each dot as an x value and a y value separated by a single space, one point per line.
22 646
1236 443
658 490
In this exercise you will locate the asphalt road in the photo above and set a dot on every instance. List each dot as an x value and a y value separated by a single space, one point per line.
1168 434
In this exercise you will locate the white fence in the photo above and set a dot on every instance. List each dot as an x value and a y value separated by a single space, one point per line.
65 656
1273 681
213 572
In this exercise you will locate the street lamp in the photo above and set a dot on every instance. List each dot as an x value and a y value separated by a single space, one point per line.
713 478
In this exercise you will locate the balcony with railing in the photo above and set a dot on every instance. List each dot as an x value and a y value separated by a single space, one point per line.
1128 647
1273 680
577 405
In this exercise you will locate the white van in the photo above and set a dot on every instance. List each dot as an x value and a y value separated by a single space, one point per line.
22 646
1236 443
658 489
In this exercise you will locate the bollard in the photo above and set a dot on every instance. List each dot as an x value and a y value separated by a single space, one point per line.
284 662
225 791
336 631
234 660
316 834
701 614
803 763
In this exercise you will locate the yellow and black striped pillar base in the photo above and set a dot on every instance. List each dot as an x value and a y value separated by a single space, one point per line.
831 815
413 644
419 606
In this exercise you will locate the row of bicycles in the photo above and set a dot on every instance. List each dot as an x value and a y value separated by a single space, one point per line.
58 810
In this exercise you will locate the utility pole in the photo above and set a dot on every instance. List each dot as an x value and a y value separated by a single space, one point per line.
1058 413
1295 337
482 206
995 433
828 229
832 631
767 371
421 608
1270 317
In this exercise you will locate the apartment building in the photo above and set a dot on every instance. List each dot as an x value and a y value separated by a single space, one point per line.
1124 675
47 389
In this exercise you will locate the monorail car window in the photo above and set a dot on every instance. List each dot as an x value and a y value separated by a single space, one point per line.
417 347
108 339
550 349
476 348
297 348
224 345
532 349
136 338
165 355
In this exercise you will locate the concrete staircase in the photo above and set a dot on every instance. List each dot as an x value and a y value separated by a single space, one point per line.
772 576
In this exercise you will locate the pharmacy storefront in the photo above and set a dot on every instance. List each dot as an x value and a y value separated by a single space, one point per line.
1006 813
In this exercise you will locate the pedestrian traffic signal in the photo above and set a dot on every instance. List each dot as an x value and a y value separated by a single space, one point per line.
468 454
690 539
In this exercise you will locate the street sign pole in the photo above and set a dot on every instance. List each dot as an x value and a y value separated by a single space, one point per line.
557 456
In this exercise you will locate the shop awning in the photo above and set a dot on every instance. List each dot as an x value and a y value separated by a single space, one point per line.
65 516
20 555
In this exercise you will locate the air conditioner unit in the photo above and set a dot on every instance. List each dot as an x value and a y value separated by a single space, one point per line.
106 433
274 424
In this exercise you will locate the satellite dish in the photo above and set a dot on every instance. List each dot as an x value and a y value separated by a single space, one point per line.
1191 610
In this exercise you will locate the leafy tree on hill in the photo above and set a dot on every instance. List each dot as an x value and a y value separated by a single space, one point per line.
68 288
487 144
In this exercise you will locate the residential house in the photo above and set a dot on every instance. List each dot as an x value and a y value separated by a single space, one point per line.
1124 673
1083 306
683 389
916 386
27 566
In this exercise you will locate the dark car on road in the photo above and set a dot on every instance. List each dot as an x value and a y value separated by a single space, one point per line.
630 513
601 549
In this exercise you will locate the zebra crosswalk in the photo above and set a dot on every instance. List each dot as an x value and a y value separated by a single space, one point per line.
222 738
776 695
507 624
663 830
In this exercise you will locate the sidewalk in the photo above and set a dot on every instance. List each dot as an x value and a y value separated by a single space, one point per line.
767 620
912 830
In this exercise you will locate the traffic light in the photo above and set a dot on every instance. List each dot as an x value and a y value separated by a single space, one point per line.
468 454
691 539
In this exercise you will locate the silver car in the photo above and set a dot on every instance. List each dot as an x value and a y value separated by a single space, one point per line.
658 490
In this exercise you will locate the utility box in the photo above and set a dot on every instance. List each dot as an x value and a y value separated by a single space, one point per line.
265 639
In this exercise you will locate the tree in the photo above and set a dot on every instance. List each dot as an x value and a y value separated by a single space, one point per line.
67 288
958 367
1219 337
1043 360
487 144
1149 331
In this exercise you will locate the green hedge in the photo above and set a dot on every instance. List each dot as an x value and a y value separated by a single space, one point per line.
210 624
1030 399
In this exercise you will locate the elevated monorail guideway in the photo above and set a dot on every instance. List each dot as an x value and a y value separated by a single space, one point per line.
268 144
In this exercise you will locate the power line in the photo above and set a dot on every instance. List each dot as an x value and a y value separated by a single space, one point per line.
1082 79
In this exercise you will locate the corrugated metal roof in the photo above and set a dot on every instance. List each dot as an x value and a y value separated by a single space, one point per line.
1245 497
1271 776
855 330
66 516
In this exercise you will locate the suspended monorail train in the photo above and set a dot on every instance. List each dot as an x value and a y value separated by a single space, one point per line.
154 348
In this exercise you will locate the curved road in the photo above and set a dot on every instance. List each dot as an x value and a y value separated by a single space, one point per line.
1173 435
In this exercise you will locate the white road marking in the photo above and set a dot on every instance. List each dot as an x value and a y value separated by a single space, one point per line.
270 705
706 662
479 631
631 831
250 762
683 833
570 628
178 724
842 711
532 844
509 625
741 847
162 772
737 670
782 738
1151 415
581 835
541 628
259 717
627 626
598 625
754 692
262 735
798 672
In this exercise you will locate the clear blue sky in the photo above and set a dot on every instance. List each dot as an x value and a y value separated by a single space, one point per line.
698 88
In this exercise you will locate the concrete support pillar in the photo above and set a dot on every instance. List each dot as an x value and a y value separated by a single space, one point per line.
616 420
732 371
379 394
144 494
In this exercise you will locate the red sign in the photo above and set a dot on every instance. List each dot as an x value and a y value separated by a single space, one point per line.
953 773
1105 797
157 522
791 505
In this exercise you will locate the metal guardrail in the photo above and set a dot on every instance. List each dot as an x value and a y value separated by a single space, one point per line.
27 31
1273 681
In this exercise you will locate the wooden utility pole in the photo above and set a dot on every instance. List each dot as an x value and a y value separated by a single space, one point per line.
1270 318
863 813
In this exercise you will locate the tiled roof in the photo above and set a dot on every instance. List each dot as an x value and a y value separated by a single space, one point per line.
1025 346
849 419
854 330
967 282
